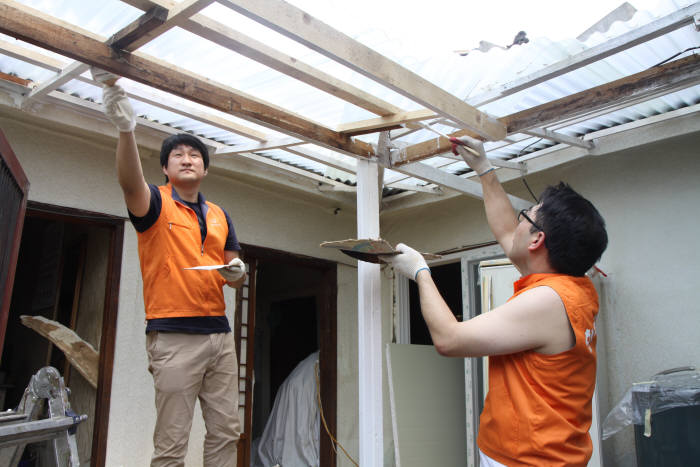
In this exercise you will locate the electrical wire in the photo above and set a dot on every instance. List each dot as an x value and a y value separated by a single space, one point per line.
336 443
522 177
675 55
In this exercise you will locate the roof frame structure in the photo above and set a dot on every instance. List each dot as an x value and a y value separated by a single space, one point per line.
549 120
391 117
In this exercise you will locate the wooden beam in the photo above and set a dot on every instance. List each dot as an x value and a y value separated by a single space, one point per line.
15 79
23 23
138 31
156 21
255 50
161 100
303 28
661 79
669 76
637 133
79 353
384 123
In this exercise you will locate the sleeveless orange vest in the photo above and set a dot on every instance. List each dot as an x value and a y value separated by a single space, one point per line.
538 408
174 242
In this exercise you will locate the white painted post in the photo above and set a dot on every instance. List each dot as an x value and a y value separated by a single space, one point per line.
369 322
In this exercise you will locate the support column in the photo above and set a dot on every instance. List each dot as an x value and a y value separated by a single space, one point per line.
369 321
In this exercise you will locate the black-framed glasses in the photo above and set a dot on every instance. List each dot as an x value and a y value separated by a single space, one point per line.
523 213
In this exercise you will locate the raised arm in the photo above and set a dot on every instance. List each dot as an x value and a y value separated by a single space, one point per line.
118 110
534 320
499 210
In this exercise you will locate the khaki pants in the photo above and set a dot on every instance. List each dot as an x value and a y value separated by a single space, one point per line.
186 367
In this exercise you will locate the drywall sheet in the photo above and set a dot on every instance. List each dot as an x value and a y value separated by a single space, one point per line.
426 392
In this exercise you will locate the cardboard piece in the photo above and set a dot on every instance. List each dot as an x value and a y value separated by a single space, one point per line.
369 249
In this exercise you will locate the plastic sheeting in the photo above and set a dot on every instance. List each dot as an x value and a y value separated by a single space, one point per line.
291 435
643 400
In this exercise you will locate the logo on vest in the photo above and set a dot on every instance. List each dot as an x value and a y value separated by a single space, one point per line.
590 334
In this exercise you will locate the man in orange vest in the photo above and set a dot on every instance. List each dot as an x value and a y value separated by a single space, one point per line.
191 351
542 341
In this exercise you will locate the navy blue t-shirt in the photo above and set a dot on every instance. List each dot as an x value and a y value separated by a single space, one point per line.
195 324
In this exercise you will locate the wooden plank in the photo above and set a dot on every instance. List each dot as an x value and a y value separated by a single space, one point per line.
79 353
138 31
25 24
156 21
677 74
14 79
303 28
384 123
162 101
649 130
665 78
255 50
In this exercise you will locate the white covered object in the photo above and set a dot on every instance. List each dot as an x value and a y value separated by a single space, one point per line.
291 435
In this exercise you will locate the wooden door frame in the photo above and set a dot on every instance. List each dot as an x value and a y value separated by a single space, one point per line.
328 349
115 225
13 164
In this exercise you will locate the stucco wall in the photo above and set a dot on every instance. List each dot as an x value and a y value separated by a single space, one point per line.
650 300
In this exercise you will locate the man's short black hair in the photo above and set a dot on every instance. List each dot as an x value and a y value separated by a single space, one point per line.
575 234
174 141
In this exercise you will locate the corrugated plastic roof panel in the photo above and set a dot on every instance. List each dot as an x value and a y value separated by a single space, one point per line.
464 76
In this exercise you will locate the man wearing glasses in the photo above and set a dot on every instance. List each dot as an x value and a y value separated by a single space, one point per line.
541 342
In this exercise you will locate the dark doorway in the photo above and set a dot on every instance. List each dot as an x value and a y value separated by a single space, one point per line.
293 336
67 271
448 279
294 303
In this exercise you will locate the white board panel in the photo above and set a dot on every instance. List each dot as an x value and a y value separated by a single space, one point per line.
426 392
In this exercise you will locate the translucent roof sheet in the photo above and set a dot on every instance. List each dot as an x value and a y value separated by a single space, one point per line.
469 77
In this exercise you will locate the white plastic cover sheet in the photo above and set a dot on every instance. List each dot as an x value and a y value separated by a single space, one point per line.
291 435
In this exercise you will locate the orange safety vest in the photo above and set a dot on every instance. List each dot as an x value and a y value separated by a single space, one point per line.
174 242
538 408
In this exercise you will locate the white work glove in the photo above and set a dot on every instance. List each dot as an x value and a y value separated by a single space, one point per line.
233 271
408 262
117 106
479 164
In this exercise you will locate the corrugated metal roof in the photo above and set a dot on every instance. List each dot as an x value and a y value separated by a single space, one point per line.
464 76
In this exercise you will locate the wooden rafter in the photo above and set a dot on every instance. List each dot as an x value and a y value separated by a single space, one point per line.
25 24
384 123
156 21
233 40
662 79
161 100
301 27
